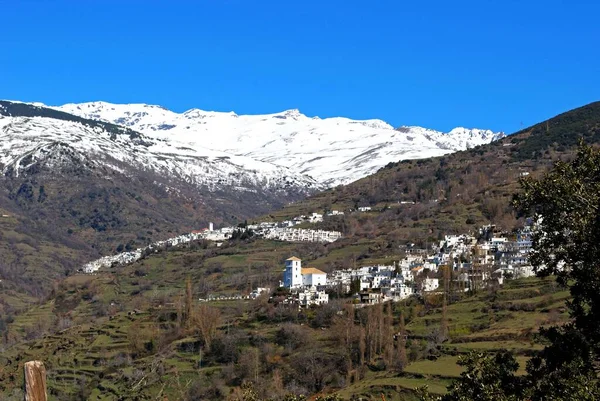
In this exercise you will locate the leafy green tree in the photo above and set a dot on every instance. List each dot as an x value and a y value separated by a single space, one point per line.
485 378
565 203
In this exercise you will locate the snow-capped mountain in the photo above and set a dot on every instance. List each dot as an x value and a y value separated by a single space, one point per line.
332 150
32 134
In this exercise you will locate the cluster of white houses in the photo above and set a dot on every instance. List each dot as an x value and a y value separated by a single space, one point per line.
282 231
471 264
309 286
128 257
302 235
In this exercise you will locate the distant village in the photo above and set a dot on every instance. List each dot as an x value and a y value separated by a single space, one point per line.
281 231
467 263
464 261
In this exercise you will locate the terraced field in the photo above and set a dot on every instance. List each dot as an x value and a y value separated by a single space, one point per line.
485 322
114 333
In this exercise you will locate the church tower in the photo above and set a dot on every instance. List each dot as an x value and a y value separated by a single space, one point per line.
292 277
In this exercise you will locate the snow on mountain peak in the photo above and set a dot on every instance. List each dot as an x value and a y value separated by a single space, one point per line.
194 113
29 137
292 114
334 150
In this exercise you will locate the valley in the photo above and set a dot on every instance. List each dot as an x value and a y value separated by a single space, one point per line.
143 328
299 201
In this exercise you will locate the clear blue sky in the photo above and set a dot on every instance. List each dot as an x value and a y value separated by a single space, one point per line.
486 63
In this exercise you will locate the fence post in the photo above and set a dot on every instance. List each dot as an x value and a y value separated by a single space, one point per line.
35 381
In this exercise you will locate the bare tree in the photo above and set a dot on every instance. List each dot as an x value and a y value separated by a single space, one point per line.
401 340
207 319
443 336
187 316
388 337
362 346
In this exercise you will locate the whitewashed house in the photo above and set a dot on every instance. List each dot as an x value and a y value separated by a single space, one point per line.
377 281
365 283
430 266
335 213
259 291
312 277
401 291
430 284
310 297
315 218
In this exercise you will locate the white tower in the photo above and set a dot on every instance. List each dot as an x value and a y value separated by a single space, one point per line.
292 277
210 226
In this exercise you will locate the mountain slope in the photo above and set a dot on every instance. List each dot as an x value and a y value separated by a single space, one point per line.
75 189
332 150
421 200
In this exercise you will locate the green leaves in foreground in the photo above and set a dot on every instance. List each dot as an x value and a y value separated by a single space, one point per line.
487 377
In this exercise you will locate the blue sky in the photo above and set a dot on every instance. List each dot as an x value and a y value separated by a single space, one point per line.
439 64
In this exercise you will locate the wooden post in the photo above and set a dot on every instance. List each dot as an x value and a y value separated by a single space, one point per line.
35 381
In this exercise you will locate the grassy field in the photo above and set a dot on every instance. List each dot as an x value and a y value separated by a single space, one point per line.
393 387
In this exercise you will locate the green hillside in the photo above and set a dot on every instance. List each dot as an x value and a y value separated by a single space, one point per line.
137 332
119 334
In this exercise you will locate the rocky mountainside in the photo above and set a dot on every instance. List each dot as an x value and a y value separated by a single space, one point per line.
331 150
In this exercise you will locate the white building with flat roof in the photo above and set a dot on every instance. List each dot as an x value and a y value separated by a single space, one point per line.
309 297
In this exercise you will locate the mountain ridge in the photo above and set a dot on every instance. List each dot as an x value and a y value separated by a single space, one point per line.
85 133
420 200
334 150
90 187
75 189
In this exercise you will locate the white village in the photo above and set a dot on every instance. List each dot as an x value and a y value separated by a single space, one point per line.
467 261
281 231
471 265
